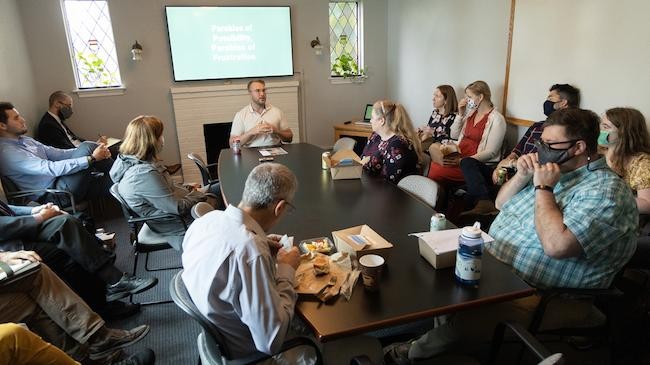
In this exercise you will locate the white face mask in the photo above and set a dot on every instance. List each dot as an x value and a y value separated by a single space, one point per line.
471 104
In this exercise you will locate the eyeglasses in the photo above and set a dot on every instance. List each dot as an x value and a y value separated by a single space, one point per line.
551 144
68 105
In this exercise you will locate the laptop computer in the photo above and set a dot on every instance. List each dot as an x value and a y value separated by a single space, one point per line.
367 115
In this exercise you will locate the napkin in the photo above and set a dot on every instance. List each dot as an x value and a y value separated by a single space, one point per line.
286 242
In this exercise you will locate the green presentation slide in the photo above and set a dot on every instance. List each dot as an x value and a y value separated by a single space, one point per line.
229 42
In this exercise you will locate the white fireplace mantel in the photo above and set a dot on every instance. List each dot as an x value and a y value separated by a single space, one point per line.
198 105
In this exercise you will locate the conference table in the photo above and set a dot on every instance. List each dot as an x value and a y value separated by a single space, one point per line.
410 289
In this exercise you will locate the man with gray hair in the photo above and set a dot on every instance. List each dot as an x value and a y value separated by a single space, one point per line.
240 278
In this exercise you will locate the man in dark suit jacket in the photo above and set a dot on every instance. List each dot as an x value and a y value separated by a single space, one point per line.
52 129
73 253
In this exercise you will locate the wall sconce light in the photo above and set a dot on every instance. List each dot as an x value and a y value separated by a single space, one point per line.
136 51
318 48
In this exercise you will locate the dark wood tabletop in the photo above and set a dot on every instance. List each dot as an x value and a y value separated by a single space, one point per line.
411 288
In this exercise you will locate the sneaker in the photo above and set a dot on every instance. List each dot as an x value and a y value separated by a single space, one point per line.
128 285
119 310
108 340
397 354
144 357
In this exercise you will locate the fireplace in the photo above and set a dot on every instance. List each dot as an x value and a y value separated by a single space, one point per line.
200 111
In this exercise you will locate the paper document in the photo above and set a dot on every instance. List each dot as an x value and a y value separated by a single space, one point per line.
110 141
15 268
275 151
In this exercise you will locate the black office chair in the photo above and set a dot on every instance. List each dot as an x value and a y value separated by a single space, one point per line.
207 177
210 341
60 197
142 238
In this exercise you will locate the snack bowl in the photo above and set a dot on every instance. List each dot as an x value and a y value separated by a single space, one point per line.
319 244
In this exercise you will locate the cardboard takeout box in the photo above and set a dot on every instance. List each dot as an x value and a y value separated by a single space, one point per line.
439 247
344 164
359 239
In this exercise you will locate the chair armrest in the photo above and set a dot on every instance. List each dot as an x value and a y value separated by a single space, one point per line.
212 164
26 193
155 217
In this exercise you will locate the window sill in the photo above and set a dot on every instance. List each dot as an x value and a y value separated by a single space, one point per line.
342 80
92 93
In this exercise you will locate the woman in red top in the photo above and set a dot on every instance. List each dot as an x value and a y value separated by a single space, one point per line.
480 139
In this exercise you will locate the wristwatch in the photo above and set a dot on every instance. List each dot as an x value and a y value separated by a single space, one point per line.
544 187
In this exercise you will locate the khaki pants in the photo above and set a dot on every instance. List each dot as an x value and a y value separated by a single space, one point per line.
476 326
51 309
20 346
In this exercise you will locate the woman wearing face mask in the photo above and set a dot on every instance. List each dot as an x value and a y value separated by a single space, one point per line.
393 150
483 129
146 186
623 132
443 124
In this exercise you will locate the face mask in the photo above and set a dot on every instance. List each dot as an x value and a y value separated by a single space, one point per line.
546 154
549 107
607 138
65 112
471 104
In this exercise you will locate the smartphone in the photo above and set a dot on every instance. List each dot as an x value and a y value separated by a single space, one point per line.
266 159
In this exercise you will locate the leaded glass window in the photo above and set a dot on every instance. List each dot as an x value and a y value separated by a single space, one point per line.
92 46
345 45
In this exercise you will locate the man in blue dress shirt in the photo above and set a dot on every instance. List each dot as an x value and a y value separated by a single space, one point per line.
33 165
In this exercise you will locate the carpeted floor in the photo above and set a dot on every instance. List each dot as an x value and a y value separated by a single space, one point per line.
173 333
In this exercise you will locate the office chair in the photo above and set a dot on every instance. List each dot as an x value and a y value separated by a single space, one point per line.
211 343
142 238
204 168
60 197
421 187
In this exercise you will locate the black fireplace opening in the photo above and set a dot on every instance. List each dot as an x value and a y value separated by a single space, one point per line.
216 136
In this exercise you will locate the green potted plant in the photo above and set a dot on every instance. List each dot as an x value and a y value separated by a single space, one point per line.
346 66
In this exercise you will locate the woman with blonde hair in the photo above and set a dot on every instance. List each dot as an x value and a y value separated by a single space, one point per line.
393 150
481 137
624 133
145 184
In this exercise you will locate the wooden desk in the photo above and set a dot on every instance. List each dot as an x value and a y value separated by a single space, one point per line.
410 288
355 130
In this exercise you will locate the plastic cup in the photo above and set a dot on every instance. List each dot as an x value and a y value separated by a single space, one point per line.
371 268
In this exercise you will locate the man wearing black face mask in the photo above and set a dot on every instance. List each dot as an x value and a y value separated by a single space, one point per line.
566 221
52 129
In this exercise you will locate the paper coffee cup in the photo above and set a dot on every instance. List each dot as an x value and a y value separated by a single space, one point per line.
371 267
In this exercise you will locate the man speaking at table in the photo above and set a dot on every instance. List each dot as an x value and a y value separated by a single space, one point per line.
566 221
260 124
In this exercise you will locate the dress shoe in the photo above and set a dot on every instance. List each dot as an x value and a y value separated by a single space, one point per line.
108 340
128 285
119 310
482 207
397 354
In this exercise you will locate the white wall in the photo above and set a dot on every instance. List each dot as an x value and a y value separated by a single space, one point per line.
148 82
17 84
600 46
432 42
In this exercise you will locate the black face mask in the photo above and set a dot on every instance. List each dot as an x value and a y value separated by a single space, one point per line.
65 112
546 154
548 108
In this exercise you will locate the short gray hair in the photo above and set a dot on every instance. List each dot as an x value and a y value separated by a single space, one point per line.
267 184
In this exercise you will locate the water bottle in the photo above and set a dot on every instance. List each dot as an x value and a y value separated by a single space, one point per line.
468 257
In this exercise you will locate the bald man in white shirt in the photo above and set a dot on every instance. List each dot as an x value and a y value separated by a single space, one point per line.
260 124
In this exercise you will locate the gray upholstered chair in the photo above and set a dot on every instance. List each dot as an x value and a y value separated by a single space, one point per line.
421 187
211 343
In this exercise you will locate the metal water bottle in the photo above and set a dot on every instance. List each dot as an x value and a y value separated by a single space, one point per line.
438 222
468 257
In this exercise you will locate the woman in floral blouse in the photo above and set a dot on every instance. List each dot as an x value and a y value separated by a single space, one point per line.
393 150
624 133
444 123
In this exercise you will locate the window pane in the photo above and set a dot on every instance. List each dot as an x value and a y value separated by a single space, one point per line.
90 34
344 33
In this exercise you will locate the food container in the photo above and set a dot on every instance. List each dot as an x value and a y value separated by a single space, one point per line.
319 244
